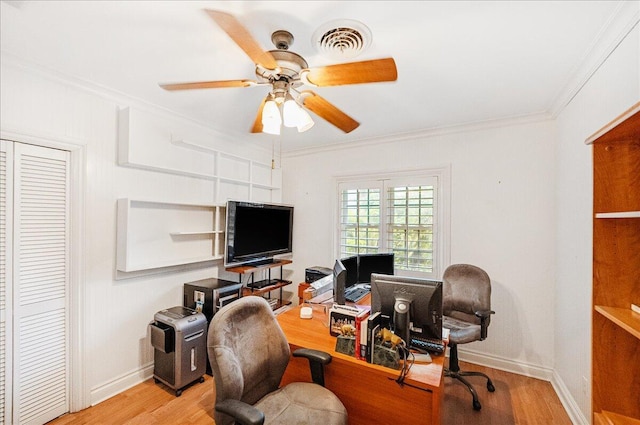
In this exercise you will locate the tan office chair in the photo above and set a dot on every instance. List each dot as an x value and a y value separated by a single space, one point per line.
249 353
466 308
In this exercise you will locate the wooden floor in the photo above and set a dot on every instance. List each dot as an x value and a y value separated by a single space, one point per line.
517 400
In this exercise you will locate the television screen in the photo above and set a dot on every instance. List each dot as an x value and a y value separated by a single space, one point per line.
257 231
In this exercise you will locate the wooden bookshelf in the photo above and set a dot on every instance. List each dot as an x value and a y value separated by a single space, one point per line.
616 270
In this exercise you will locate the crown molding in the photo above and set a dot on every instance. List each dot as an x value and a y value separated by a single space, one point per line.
120 98
423 134
619 25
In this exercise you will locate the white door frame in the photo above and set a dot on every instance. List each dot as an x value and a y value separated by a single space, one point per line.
80 393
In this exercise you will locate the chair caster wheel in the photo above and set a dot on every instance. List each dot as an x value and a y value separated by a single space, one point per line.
490 387
201 380
476 405
178 393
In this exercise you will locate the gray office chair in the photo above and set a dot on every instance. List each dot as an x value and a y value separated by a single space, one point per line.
249 353
466 308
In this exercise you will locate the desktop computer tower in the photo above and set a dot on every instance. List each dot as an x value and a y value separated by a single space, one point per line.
208 296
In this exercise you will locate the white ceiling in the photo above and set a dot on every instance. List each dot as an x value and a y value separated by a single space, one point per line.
458 62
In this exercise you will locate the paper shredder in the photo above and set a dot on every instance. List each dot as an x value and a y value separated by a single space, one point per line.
179 339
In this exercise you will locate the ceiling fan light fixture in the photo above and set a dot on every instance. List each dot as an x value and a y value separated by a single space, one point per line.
271 128
305 122
271 119
291 112
285 70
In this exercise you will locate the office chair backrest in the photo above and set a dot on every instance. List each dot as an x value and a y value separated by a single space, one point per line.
248 351
465 290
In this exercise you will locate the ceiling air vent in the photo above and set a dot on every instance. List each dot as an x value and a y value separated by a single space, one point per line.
342 39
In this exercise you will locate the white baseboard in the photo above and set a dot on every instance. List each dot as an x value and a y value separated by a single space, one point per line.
507 365
120 384
568 402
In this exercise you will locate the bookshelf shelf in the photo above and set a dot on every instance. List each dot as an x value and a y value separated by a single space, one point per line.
609 418
626 318
624 214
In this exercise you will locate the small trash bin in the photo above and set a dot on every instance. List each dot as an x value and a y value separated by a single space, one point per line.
179 340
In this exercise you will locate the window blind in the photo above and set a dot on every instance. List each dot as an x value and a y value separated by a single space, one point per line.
398 215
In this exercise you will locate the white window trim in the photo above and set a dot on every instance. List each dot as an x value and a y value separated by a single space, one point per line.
442 227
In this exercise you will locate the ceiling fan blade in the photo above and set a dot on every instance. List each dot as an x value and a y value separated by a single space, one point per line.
372 71
208 85
243 38
257 124
321 107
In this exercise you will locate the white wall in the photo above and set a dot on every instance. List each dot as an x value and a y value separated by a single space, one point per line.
502 219
613 89
114 344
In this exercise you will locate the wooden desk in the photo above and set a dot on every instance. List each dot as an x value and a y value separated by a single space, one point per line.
368 391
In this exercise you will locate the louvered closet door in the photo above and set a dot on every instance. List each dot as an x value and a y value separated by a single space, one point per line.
40 284
6 202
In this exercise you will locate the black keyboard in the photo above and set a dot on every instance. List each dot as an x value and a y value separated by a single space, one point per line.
353 295
427 344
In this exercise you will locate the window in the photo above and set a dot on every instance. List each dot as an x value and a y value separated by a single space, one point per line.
403 214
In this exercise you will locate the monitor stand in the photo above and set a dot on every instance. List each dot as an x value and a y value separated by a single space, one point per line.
401 313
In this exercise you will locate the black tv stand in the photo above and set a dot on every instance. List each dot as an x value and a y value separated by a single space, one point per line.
263 286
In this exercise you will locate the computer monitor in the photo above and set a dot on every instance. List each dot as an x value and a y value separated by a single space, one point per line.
339 282
412 306
351 265
374 263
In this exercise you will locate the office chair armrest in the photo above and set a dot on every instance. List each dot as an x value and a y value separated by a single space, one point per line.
317 360
484 316
242 412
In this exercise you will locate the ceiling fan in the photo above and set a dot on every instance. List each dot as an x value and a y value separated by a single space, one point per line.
285 72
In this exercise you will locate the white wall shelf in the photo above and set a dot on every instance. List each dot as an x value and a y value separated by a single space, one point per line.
147 238
141 134
204 232
154 235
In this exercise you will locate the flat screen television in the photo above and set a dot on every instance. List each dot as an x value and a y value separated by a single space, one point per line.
256 232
